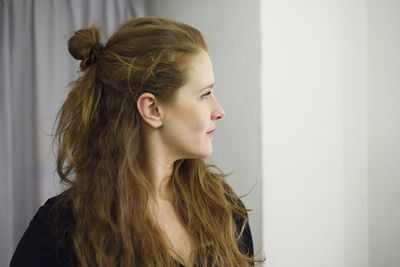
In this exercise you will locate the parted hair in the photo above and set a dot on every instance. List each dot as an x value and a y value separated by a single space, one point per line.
98 139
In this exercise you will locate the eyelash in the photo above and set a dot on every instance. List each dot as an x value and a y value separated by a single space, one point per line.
206 94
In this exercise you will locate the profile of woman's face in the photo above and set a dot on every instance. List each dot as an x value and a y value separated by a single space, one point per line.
193 113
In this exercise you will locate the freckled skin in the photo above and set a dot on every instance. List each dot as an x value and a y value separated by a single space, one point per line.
193 114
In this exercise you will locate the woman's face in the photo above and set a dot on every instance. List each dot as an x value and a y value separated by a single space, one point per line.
189 119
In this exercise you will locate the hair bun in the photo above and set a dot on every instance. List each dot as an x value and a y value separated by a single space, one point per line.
83 42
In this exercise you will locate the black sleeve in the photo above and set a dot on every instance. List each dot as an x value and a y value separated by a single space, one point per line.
245 243
38 245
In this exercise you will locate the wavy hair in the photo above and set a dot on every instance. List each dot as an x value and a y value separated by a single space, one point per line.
99 146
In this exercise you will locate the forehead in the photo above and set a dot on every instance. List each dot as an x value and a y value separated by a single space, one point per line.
200 72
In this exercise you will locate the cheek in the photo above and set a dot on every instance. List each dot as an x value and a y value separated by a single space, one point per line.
194 120
197 121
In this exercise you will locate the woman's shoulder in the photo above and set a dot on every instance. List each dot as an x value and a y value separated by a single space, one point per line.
55 214
245 242
38 245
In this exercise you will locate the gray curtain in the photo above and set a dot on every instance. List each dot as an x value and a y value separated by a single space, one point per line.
35 69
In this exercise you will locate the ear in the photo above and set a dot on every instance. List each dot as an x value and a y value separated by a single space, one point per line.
150 110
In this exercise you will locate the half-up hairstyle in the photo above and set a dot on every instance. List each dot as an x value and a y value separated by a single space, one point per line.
99 146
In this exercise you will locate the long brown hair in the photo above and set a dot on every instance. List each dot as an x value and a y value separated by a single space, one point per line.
99 137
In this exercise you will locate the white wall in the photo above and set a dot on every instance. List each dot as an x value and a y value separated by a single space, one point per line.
314 133
331 127
231 28
384 131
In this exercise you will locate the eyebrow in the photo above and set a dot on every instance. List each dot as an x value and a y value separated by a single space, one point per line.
208 86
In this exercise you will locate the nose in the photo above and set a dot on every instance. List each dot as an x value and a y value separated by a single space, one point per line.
218 112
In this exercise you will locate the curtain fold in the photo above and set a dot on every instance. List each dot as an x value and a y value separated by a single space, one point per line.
35 70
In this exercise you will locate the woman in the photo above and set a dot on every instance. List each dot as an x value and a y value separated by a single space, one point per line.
131 138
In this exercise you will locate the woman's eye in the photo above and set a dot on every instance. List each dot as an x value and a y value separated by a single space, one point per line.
206 94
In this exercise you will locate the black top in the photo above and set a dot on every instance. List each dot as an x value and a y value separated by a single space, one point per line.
38 244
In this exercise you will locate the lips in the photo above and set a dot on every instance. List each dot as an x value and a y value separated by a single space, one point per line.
211 131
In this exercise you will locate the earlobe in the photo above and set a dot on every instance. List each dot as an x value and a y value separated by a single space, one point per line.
150 110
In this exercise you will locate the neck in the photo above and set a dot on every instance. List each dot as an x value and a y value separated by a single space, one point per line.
158 163
159 173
